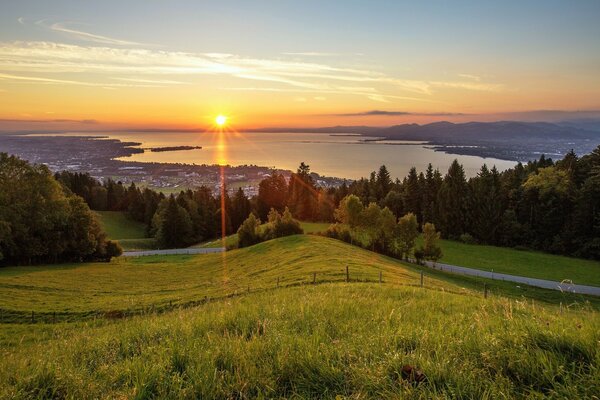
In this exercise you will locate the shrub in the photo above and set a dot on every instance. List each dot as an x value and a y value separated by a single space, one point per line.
431 250
249 232
340 232
281 225
467 238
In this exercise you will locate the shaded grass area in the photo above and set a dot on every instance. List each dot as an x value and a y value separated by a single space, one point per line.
323 341
521 262
118 226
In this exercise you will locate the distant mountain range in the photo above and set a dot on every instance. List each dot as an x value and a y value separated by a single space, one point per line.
509 140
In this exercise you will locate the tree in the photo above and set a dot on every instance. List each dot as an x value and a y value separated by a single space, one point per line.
173 225
405 235
280 225
412 193
393 200
453 202
325 206
42 220
369 225
272 193
349 211
302 198
240 208
386 225
486 206
249 232
430 250
383 183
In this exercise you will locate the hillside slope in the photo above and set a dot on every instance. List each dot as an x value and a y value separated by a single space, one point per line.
323 341
79 290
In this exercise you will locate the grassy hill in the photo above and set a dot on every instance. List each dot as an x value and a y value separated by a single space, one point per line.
143 328
323 341
132 285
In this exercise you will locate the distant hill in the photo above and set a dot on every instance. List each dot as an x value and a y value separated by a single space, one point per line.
509 140
486 131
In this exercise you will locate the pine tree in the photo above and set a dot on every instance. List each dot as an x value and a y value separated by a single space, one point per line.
173 225
453 202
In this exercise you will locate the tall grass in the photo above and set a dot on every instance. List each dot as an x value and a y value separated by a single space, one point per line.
323 341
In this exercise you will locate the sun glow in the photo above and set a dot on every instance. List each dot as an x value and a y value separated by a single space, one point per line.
221 120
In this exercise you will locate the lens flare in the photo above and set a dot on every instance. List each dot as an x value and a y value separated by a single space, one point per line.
221 120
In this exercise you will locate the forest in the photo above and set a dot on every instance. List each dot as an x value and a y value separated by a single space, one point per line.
547 205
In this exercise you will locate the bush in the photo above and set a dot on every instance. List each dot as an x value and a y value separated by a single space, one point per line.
467 238
339 232
113 249
281 225
249 232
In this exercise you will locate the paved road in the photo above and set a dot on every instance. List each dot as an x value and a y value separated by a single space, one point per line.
173 251
562 286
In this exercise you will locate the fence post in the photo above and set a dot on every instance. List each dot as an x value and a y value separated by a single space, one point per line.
485 291
54 317
347 274
278 282
248 288
314 278
380 277
32 318
421 278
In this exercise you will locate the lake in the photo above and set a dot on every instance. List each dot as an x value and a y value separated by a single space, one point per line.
345 156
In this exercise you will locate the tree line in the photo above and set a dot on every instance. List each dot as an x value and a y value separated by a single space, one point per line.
41 221
544 205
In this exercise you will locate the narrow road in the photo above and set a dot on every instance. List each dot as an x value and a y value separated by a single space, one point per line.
542 283
173 251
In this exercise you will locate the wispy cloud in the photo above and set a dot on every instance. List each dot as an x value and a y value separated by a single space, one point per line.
45 121
51 81
312 54
151 81
470 76
397 113
39 62
64 28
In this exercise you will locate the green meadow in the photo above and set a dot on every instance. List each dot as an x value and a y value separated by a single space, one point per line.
532 264
282 319
332 341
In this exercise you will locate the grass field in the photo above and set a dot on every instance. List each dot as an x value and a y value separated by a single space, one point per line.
132 283
128 285
324 341
142 328
521 262
118 226
131 235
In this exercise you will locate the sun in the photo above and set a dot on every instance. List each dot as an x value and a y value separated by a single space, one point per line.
221 120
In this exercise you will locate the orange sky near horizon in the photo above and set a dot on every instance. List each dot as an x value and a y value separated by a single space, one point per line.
70 65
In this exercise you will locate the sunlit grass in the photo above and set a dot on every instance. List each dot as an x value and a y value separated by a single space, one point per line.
318 341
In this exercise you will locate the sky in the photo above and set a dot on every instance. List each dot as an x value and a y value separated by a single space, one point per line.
177 64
